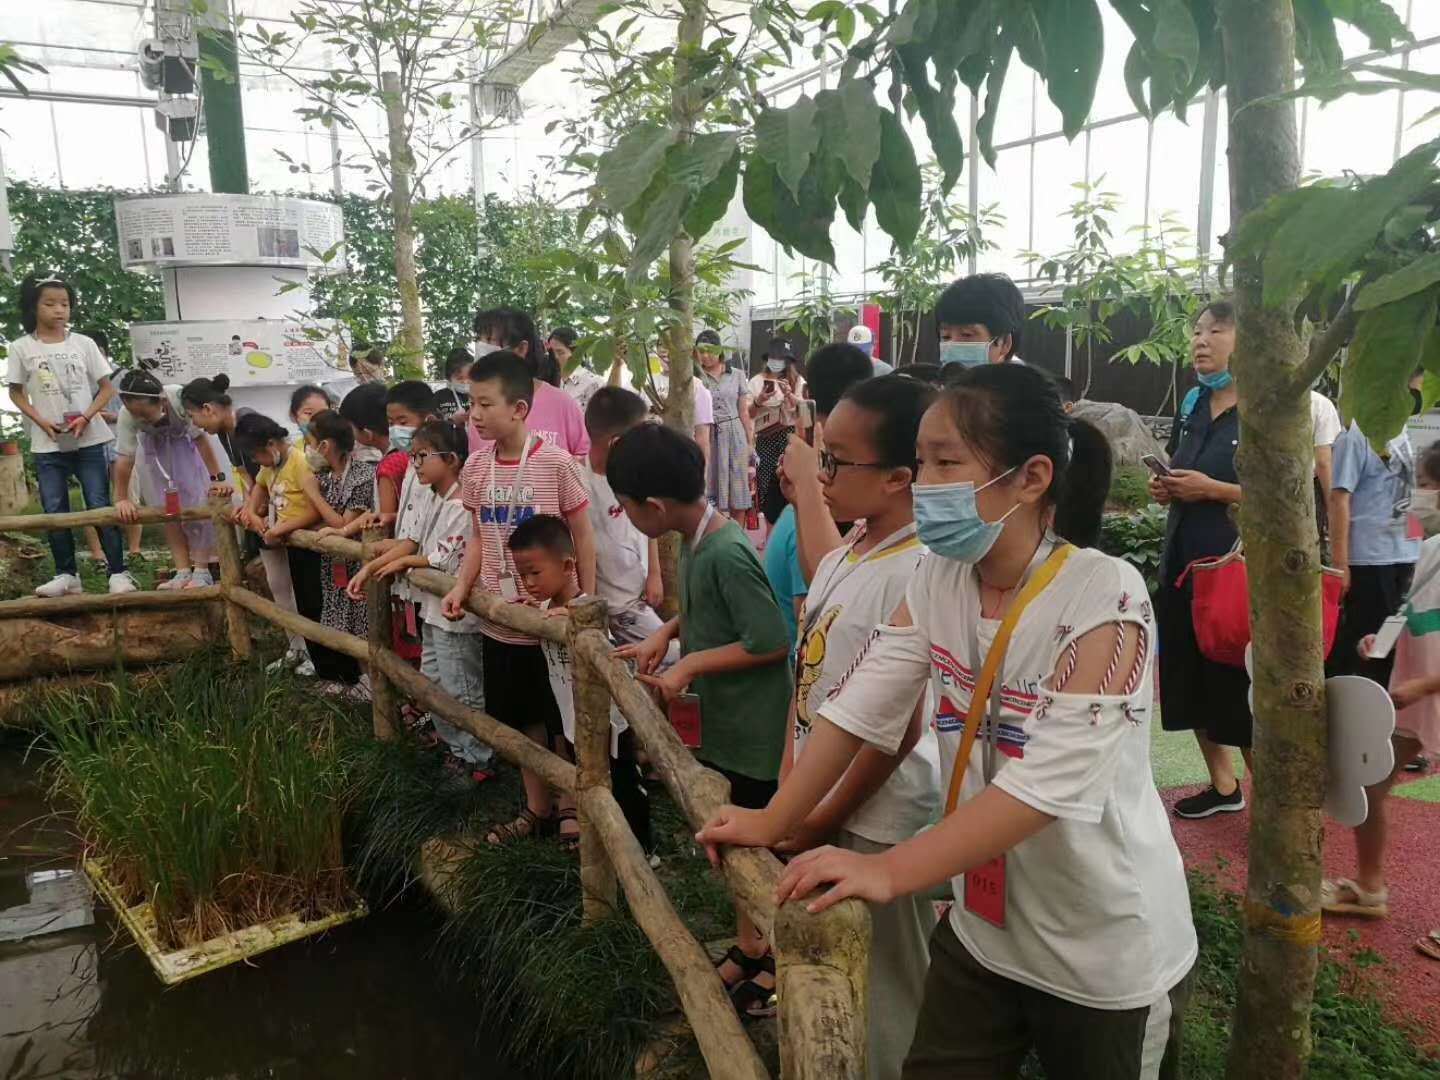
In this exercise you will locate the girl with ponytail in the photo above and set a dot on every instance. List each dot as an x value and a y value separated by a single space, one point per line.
1071 930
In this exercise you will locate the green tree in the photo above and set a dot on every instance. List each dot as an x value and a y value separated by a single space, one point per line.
404 58
842 150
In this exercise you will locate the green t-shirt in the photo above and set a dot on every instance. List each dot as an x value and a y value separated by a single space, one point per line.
725 598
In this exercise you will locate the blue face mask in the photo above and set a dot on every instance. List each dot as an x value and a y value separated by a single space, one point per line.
305 428
400 437
965 353
1215 380
949 523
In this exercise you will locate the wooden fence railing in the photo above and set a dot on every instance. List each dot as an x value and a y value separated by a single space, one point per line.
822 960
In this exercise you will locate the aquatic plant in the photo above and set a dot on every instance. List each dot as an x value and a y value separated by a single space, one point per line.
217 793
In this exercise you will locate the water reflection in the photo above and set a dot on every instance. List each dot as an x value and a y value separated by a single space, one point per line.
78 1002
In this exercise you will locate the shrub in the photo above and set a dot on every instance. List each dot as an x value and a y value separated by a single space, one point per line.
1138 536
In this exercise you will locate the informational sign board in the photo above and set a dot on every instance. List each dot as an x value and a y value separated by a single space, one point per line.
1424 430
226 230
253 352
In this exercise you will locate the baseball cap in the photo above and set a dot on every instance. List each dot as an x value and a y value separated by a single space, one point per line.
860 335
780 347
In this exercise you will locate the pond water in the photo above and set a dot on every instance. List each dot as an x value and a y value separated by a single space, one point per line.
79 1002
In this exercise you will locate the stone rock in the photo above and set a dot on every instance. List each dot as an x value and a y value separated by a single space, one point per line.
1130 439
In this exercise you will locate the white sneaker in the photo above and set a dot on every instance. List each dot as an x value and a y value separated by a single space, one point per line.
294 659
199 579
60 585
179 581
305 669
122 583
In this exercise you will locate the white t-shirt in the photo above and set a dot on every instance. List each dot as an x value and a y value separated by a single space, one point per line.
1325 418
442 537
1096 907
59 378
418 502
622 553
562 685
850 596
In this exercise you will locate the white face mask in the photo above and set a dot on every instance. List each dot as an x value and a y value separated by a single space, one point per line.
1425 505
775 367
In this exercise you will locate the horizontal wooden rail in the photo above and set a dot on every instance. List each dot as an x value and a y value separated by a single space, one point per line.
521 618
729 1054
45 607
512 745
145 515
309 629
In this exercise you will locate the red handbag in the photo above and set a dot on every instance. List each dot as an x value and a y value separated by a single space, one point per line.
1220 606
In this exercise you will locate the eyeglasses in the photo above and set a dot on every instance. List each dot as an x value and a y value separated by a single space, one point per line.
830 464
419 457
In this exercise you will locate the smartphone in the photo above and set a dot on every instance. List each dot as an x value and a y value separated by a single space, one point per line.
805 420
1155 465
685 719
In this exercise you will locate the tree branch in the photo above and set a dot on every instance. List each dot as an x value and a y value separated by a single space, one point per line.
1324 346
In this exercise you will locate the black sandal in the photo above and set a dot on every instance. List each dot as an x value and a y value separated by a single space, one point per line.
749 966
569 841
753 1001
528 825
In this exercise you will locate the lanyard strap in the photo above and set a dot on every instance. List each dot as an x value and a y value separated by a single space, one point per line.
435 516
817 598
990 670
704 522
515 487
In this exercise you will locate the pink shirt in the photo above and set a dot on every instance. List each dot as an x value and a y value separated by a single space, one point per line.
554 416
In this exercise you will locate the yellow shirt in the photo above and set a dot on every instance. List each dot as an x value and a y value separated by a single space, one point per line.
287 495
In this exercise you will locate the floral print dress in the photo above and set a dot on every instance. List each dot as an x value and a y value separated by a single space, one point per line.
353 488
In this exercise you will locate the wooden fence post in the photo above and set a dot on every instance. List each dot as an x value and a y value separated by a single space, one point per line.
823 984
232 574
592 760
385 702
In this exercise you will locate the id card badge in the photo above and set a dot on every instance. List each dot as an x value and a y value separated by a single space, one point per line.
985 892
685 719
1385 637
339 574
172 501
509 589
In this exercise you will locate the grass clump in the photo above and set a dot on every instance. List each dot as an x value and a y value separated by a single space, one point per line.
217 793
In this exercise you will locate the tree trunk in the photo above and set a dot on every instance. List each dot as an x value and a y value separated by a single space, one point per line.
402 165
224 112
1271 1033
680 340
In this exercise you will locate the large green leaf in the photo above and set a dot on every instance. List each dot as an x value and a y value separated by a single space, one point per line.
1325 238
1376 19
849 123
1074 37
985 126
660 224
1176 36
1430 360
801 224
895 185
625 171
1415 277
1388 346
696 163
1317 46
788 138
937 109
710 204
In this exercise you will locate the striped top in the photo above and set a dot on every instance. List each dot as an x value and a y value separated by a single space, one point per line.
549 484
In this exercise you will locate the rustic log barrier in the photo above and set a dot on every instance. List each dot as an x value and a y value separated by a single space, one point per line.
822 960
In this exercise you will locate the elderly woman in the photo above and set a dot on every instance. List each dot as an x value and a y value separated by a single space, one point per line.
1198 694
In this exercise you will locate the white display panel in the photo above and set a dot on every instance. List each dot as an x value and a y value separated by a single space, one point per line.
252 352
226 230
